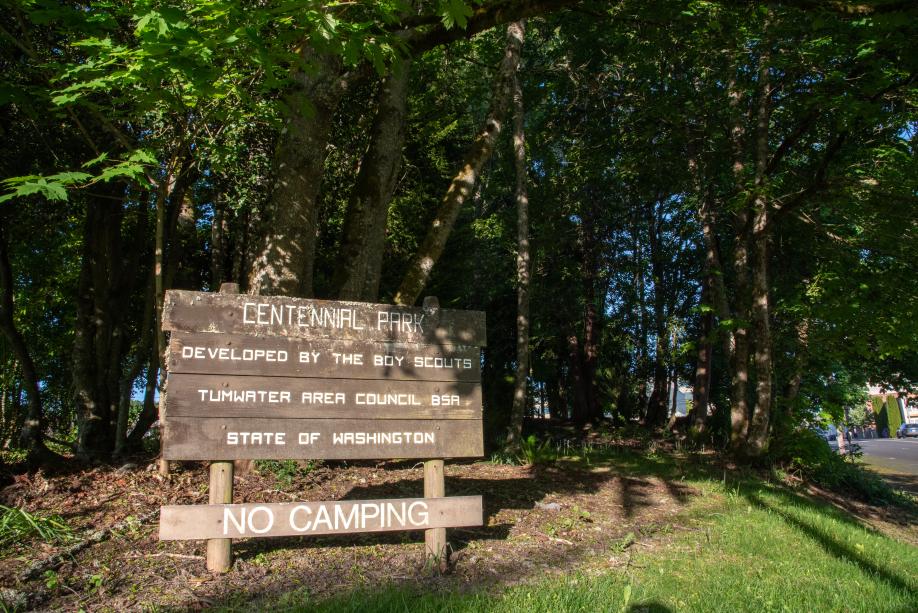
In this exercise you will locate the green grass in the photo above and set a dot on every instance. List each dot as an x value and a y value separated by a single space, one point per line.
18 524
746 546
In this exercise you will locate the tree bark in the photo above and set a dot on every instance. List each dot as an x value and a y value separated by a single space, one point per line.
523 268
591 318
581 410
641 368
463 183
364 235
657 405
285 264
150 412
98 336
761 312
31 435
127 383
701 393
217 243
739 364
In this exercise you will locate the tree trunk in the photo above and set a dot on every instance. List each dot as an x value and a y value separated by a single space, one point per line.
364 234
641 369
150 412
463 183
520 388
591 320
701 393
761 313
31 435
739 403
657 405
98 336
792 388
217 243
581 409
285 265
127 383
674 379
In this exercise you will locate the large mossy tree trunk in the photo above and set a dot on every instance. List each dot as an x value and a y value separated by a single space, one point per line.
757 443
364 235
285 264
739 360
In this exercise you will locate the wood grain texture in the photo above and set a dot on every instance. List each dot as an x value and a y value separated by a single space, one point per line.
435 538
186 311
224 521
220 551
191 438
282 397
276 356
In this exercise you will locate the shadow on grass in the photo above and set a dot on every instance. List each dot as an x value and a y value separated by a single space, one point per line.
649 607
898 480
831 546
633 482
624 472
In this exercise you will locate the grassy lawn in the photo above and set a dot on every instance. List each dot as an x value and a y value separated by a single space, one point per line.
739 546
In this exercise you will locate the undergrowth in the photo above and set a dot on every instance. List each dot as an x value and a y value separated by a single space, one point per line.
18 524
287 472
807 455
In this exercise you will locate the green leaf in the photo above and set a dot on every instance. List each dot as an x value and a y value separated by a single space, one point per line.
70 178
96 160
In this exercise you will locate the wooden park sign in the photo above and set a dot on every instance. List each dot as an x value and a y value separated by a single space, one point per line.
255 377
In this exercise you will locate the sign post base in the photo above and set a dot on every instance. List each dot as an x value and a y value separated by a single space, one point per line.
220 551
435 548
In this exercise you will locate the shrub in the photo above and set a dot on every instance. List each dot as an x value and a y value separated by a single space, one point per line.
808 454
285 471
533 452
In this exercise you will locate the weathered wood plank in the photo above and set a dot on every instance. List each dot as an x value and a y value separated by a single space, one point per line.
282 397
192 438
225 521
185 311
233 354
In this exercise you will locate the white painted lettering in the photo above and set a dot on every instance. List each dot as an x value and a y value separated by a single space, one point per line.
322 518
228 517
269 522
298 509
365 514
423 515
308 438
340 518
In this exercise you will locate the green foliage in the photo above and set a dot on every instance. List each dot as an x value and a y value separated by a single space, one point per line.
807 453
287 472
18 524
535 453
505 457
888 415
893 414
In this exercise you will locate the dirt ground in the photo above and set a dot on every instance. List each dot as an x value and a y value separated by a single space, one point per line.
538 521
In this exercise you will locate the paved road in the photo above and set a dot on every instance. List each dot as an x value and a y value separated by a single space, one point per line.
896 460
900 455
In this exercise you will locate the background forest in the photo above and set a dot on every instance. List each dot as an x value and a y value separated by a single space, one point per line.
721 192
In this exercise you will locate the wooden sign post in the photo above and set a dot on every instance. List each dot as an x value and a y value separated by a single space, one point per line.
253 377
